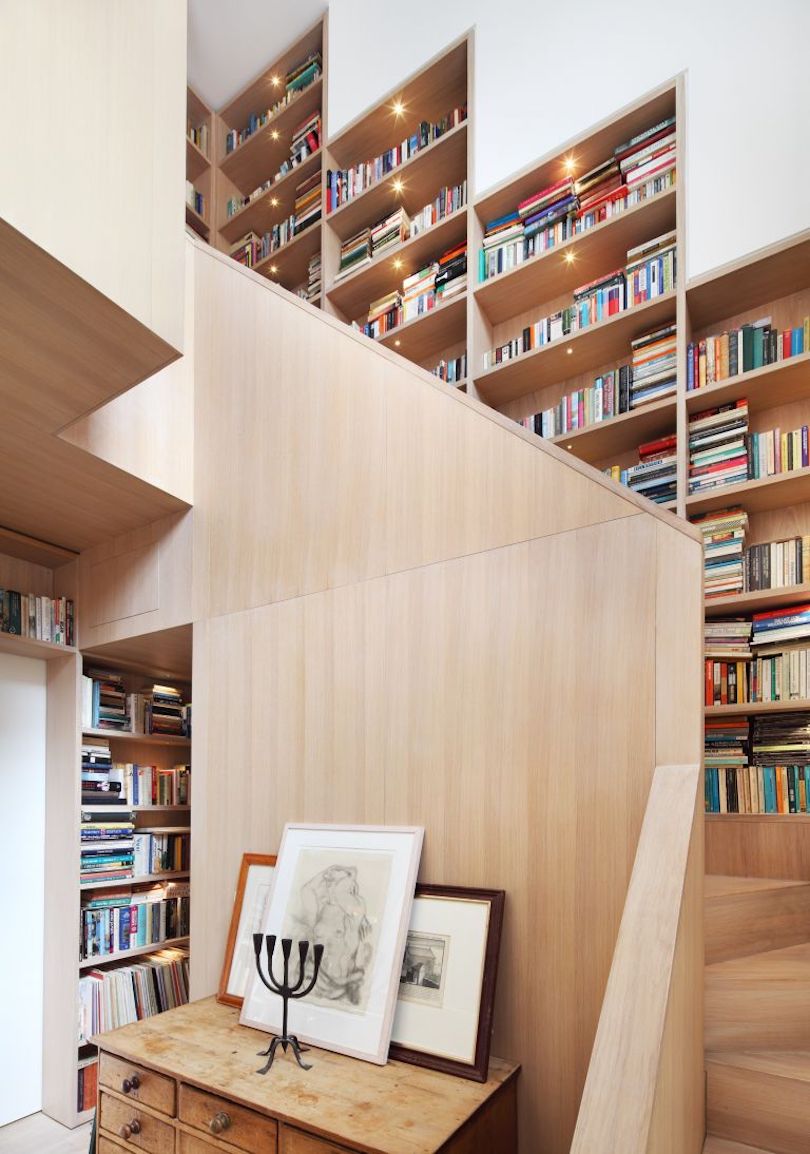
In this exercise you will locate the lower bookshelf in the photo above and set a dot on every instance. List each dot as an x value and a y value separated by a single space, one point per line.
125 955
170 875
758 817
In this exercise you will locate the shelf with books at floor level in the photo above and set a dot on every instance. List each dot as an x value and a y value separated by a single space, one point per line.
396 217
200 174
268 145
577 295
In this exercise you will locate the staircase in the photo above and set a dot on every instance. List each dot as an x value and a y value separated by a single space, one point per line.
757 1016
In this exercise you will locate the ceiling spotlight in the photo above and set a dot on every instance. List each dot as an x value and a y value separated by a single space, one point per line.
273 268
397 263
396 343
570 164
569 350
276 80
274 134
570 257
398 185
274 201
569 446
398 108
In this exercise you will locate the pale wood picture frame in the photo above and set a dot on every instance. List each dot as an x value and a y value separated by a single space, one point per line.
227 992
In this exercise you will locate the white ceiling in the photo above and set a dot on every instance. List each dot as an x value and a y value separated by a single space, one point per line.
231 41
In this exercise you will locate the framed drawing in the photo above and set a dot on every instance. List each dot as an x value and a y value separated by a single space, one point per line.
252 895
349 888
447 985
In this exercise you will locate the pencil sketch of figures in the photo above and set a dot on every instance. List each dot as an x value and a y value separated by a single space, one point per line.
337 901
424 968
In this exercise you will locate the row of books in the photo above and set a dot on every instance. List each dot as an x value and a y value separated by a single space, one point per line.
195 199
306 141
110 862
423 291
733 638
32 615
768 676
752 346
312 289
250 249
650 272
112 998
757 789
129 921
452 371
393 230
777 564
639 168
199 135
655 475
773 452
723 550
106 704
87 1085
158 853
129 784
297 79
343 185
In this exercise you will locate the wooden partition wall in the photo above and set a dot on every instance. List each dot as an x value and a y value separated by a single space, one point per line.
406 610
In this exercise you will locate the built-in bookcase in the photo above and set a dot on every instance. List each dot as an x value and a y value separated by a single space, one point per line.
200 173
64 965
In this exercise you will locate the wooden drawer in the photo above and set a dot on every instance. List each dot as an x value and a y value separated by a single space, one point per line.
246 1130
296 1142
155 1090
154 1136
105 1146
191 1144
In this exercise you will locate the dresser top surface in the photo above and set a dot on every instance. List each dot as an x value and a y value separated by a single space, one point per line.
392 1109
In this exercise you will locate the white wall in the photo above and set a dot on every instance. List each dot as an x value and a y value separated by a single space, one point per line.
22 873
545 72
92 167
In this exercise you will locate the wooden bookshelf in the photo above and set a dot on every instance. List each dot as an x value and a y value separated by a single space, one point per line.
754 709
30 647
274 203
289 263
610 438
769 387
140 738
199 170
137 952
757 601
141 879
763 495
197 222
112 809
423 338
757 817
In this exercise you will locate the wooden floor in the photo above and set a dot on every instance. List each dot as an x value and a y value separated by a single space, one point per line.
40 1135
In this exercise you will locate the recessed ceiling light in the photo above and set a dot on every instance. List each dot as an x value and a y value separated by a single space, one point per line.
396 343
276 80
569 350
398 108
570 256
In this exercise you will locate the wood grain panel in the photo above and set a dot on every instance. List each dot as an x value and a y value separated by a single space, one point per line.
123 585
25 576
679 650
753 917
765 846
246 1129
153 1090
761 1002
152 1135
758 1103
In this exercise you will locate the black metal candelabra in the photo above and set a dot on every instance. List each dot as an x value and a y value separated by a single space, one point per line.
286 991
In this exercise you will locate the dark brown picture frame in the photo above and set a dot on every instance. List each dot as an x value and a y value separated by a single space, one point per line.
478 1070
248 860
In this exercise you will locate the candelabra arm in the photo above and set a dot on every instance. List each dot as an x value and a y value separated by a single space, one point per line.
317 957
303 950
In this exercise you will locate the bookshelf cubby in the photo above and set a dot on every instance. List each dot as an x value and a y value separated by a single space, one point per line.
199 170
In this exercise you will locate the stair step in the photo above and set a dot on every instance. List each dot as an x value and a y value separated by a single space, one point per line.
725 1146
761 1002
747 916
759 1097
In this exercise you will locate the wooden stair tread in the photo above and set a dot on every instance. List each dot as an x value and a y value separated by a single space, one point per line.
715 1145
793 1064
719 885
786 965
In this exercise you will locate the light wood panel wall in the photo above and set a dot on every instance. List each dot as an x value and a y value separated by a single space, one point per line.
408 611
103 193
762 846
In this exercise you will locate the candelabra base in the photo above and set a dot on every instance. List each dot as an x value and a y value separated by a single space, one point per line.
286 1041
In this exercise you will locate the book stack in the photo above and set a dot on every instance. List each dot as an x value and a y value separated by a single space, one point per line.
104 701
447 201
156 853
281 233
419 292
149 785
650 269
43 618
307 209
87 1085
198 135
723 551
774 452
452 372
389 233
128 921
639 168
384 314
354 253
727 652
752 346
717 447
247 250
780 745
166 712
342 185
112 998
194 199
777 564
779 625
600 299
106 846
102 782
313 286
726 744
609 396
306 139
653 366
451 276
303 74
655 476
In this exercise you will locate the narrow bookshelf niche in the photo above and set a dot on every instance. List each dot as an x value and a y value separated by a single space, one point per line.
748 405
396 220
269 179
575 299
199 171
134 852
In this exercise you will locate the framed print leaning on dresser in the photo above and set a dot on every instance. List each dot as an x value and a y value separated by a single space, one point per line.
253 890
349 889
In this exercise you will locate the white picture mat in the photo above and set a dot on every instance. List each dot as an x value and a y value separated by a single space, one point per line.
365 1035
449 1031
255 901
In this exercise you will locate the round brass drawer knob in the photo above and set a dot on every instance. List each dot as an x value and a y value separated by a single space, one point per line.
219 1122
126 1132
130 1084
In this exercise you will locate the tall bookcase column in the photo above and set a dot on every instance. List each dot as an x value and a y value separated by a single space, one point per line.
361 265
200 172
528 278
684 334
